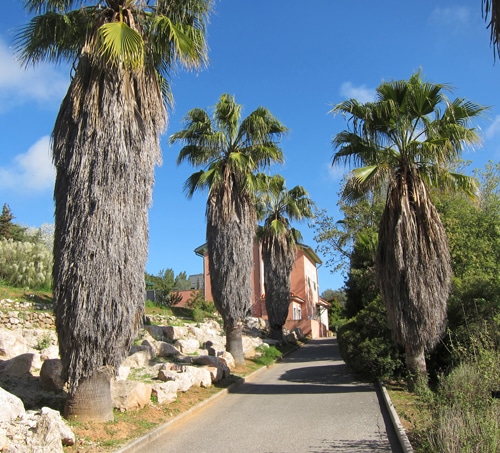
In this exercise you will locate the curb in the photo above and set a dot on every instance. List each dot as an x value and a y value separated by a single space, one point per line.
396 422
137 445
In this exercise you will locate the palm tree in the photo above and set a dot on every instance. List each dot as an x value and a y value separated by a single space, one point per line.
105 147
278 207
404 143
231 153
491 11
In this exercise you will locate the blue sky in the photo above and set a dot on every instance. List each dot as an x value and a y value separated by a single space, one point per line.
297 59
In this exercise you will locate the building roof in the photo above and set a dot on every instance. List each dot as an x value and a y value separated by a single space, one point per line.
310 253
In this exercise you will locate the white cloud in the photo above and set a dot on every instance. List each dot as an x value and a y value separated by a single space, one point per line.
18 85
493 129
361 93
335 172
30 172
452 18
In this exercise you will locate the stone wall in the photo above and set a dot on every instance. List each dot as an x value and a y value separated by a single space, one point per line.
25 315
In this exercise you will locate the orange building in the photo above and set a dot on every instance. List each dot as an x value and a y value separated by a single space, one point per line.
307 310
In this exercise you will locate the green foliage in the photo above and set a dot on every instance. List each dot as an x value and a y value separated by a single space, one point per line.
44 342
366 346
8 229
166 284
25 264
267 355
465 417
335 315
202 309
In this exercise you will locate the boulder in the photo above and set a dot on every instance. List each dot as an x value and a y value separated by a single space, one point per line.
187 346
214 363
123 372
12 344
249 345
155 331
18 367
291 338
166 375
228 359
12 406
174 332
51 375
129 395
164 349
200 377
51 420
51 352
139 358
166 392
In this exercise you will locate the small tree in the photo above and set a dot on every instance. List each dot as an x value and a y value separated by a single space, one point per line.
8 229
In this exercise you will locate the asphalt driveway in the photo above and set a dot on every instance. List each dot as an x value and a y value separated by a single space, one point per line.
308 402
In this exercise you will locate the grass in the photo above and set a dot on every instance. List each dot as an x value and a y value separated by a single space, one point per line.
414 414
26 295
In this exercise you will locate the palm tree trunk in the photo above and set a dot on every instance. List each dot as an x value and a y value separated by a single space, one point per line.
91 400
276 332
234 343
416 367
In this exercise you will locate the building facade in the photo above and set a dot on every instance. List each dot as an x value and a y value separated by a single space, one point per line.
307 310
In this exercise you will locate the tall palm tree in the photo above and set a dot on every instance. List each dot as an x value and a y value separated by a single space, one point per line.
105 146
231 153
278 207
404 142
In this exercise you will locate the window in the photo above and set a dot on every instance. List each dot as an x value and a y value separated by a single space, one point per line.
297 313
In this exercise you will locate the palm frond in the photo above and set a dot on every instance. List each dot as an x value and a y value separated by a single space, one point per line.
491 13
120 44
54 37
46 6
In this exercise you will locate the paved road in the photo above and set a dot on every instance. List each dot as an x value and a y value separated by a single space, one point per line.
307 403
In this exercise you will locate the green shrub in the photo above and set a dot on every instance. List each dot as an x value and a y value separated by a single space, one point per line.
44 342
266 355
465 415
366 346
202 309
25 264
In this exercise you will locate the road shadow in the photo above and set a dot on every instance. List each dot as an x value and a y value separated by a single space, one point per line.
332 376
316 350
352 446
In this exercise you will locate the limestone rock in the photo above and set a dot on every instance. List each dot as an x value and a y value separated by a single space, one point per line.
51 375
12 406
123 372
228 359
19 366
221 369
187 346
155 331
164 349
11 344
249 345
174 332
129 395
140 358
200 377
166 392
52 418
